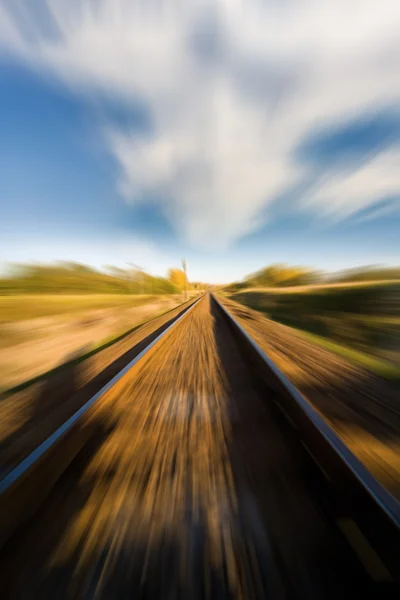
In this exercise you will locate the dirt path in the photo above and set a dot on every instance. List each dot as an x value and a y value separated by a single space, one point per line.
363 408
191 489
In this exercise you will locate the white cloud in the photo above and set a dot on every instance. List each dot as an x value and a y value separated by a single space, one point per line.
232 89
347 192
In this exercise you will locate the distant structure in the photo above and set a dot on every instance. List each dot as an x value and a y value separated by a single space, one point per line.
184 266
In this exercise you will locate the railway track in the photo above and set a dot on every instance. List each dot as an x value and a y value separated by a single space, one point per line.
197 472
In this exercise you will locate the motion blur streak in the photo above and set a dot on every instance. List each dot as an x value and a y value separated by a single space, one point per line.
149 146
191 489
220 112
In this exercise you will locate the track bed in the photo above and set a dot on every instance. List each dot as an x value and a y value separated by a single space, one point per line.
193 486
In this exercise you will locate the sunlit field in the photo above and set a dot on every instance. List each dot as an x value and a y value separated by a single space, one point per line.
358 320
40 332
32 306
199 300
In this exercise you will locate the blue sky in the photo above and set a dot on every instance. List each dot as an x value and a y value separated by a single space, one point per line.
235 136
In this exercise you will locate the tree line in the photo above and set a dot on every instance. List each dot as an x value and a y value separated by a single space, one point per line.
281 275
74 278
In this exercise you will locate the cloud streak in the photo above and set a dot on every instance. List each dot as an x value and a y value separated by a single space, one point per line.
232 90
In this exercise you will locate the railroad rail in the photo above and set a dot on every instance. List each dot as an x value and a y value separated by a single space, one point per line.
365 514
355 496
38 471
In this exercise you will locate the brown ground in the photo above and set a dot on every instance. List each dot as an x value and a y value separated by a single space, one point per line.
191 489
363 408
31 415
30 347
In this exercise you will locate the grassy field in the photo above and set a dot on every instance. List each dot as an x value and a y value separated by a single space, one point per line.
26 306
359 321
38 333
326 287
381 367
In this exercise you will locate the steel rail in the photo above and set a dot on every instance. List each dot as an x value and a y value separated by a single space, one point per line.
358 494
11 507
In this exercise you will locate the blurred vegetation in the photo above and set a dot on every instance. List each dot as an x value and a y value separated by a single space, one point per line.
371 273
277 276
198 285
358 309
363 316
31 306
177 278
72 278
281 275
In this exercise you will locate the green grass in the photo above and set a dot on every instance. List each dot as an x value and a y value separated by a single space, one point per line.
381 299
360 322
21 307
375 365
